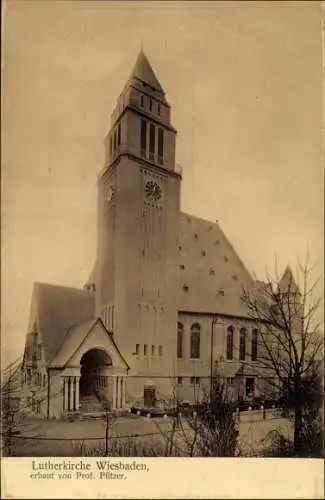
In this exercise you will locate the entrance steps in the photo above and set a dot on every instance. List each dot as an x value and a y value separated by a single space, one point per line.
91 415
90 404
90 408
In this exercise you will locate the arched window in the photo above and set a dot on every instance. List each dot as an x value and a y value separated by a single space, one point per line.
242 344
195 341
230 342
180 329
254 344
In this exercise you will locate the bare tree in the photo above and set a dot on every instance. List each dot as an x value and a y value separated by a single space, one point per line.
10 405
18 402
289 347
109 416
215 423
207 428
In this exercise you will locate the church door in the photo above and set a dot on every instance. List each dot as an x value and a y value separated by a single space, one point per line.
149 396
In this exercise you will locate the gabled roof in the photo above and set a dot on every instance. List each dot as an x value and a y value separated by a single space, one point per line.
210 269
55 309
287 283
75 337
143 71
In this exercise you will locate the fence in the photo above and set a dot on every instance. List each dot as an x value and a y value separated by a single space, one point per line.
123 444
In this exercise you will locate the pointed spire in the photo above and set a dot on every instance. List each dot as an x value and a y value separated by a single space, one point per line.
287 283
143 71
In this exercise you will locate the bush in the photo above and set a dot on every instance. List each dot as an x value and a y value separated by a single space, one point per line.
279 446
217 432
126 447
312 443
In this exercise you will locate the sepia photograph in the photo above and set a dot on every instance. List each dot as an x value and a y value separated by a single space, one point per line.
162 230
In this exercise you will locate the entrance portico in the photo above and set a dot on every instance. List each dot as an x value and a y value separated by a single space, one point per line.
93 375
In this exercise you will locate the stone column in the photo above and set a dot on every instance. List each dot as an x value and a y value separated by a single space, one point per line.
77 393
117 404
123 392
72 391
61 395
66 393
114 392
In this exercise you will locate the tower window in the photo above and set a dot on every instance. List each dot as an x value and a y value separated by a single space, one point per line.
145 349
150 104
153 350
158 109
160 350
179 380
142 101
114 140
137 349
160 146
203 253
143 139
182 267
152 136
185 288
119 134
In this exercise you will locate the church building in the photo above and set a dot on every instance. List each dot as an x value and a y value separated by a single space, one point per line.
163 306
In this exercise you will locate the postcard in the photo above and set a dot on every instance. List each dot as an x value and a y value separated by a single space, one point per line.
162 257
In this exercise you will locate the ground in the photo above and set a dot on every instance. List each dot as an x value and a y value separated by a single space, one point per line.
63 438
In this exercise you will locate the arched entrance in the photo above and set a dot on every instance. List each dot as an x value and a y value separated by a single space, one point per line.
94 387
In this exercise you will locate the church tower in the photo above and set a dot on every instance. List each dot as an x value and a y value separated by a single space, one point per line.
138 215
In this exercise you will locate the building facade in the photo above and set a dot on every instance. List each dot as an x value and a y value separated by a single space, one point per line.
163 306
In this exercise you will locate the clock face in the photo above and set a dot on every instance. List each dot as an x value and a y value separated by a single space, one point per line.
152 190
110 193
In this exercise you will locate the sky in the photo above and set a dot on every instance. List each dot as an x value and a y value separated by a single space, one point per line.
244 83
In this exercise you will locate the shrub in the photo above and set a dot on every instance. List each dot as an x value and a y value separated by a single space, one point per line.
214 424
126 447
